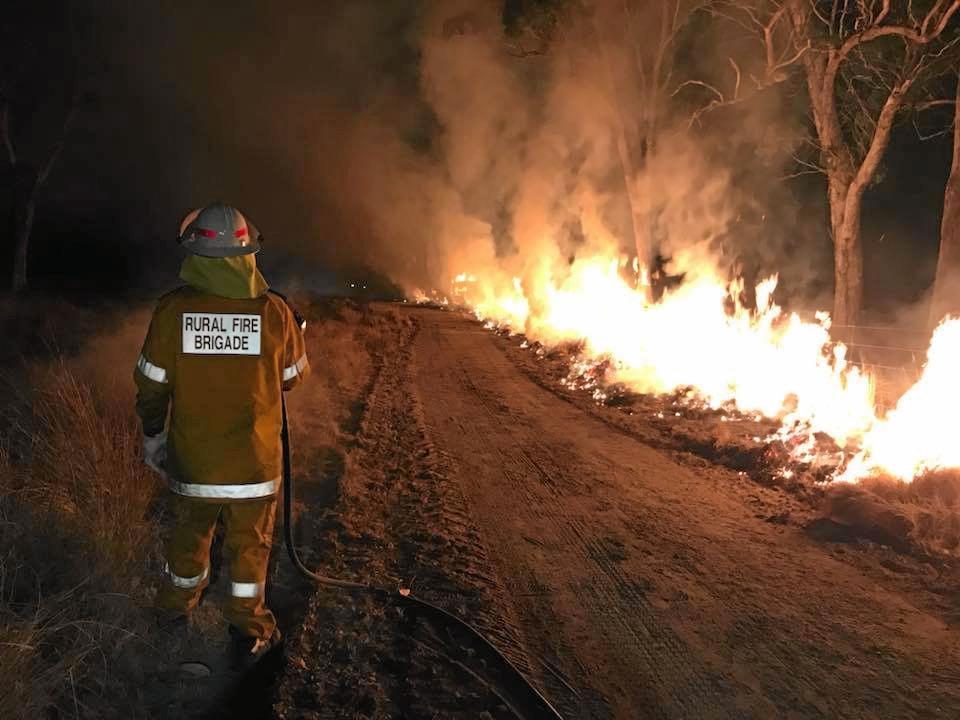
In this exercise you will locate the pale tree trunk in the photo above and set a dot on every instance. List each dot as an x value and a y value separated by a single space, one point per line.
653 62
847 180
847 261
844 218
640 241
848 248
624 151
946 286
25 204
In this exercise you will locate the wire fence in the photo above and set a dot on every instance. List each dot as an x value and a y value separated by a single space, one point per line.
893 355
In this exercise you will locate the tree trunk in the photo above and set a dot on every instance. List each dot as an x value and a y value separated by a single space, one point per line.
844 228
847 180
847 177
624 150
841 174
25 203
946 286
847 264
637 220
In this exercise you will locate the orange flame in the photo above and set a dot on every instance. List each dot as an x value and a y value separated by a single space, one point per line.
762 361
919 434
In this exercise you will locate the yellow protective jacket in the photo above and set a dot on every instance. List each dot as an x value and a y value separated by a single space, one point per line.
219 365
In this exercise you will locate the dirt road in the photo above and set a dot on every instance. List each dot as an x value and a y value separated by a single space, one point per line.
626 582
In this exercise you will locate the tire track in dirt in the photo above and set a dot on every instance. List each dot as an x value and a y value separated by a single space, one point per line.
649 580
439 554
889 680
620 612
400 522
626 583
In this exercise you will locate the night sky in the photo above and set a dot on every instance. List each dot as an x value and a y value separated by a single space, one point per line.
189 103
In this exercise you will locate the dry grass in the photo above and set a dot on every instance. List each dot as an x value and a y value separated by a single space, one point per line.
923 515
932 505
76 530
79 522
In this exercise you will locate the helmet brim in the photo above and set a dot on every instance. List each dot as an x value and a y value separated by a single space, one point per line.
216 249
221 252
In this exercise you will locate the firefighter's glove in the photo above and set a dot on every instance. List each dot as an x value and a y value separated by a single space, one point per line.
155 451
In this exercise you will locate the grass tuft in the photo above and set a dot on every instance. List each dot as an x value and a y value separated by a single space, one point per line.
76 515
931 502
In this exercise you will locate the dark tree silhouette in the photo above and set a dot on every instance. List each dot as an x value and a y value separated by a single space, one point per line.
39 98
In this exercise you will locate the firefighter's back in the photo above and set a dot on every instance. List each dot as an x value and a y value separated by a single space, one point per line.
225 360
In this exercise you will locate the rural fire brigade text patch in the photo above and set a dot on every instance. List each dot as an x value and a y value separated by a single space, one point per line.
221 334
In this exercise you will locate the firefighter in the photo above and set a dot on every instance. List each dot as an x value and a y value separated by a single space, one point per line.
219 352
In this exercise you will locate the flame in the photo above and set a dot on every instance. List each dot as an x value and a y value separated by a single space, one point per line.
919 434
700 339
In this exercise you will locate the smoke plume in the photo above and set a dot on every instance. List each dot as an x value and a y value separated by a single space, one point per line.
425 140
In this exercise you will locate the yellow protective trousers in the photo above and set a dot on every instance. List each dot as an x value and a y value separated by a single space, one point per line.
246 551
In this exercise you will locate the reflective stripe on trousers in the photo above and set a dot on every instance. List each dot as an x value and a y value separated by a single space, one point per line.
246 590
226 492
247 540
186 582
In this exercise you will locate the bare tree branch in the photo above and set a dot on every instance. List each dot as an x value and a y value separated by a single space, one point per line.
811 167
802 173
922 36
768 31
784 63
816 11
5 131
881 136
934 11
883 13
924 137
700 83
736 69
928 104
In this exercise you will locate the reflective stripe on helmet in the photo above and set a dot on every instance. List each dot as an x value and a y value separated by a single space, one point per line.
185 582
246 590
151 371
291 372
226 492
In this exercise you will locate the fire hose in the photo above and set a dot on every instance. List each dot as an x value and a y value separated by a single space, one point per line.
513 688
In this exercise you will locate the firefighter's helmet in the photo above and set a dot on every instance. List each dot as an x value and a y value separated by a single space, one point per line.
218 230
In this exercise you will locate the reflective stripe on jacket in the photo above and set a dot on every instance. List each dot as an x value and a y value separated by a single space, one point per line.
218 364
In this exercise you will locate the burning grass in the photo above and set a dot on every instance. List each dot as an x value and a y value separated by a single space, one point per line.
921 517
730 348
